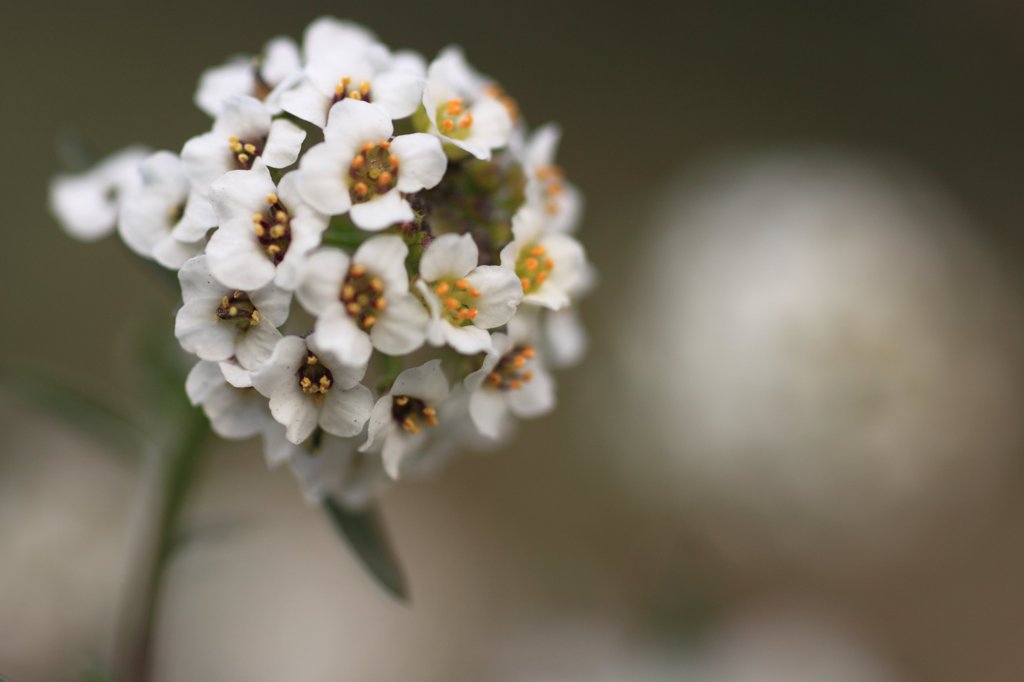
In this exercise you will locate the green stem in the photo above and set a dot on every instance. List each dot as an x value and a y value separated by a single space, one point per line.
169 479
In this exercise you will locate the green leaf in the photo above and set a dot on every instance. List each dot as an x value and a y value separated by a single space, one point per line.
50 395
365 535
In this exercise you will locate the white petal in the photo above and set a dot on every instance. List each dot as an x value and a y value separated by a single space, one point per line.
280 60
276 448
236 413
281 366
254 346
535 398
241 193
421 161
199 216
202 379
385 257
500 345
345 376
236 258
566 338
501 292
321 178
206 158
338 335
449 256
218 84
398 92
345 412
244 117
426 382
171 253
320 289
527 225
327 33
197 281
380 423
199 331
489 412
401 328
468 340
352 123
295 410
306 102
283 143
492 125
273 303
381 212
398 447
235 374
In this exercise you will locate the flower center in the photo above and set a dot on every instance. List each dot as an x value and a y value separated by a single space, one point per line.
346 89
273 229
374 171
239 309
453 120
510 373
363 296
550 178
245 152
458 299
533 267
315 379
408 412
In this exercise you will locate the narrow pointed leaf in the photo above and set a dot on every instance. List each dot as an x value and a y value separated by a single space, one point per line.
365 535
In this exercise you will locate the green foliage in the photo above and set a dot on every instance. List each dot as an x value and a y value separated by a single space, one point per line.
367 538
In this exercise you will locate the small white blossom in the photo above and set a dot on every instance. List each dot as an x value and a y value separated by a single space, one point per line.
547 189
262 77
156 214
266 231
396 424
218 322
235 409
344 62
550 265
87 204
361 170
363 302
337 470
308 388
511 382
465 299
463 107
242 132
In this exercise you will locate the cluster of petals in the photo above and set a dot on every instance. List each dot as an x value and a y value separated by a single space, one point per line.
332 311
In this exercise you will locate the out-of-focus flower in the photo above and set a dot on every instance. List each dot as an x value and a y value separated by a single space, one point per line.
547 189
157 214
465 299
399 417
87 204
362 170
263 77
337 469
463 108
550 265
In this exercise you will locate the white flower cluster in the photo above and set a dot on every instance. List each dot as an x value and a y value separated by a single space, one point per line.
403 205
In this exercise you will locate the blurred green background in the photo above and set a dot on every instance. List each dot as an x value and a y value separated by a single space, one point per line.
556 542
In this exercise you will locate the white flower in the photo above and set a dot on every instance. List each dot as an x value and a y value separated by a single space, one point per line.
512 381
307 388
337 470
155 215
344 62
242 132
464 107
546 187
363 301
454 434
218 322
398 417
87 204
235 412
465 299
262 77
550 265
235 409
360 169
266 232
